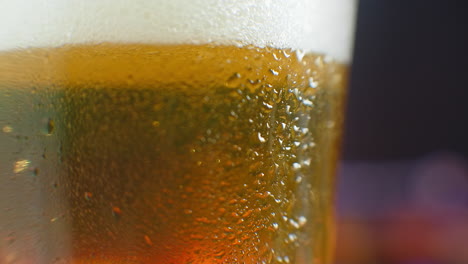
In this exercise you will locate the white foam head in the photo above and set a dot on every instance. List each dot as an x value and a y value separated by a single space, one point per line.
324 26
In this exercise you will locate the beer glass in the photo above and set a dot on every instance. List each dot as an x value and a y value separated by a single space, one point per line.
170 131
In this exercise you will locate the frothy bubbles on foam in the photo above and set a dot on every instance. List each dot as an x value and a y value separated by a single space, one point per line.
324 26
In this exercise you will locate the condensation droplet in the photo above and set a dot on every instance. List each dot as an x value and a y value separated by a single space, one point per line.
148 240
312 83
188 211
21 165
203 220
275 56
302 220
219 254
275 73
307 102
116 211
7 129
50 126
88 196
299 179
234 80
296 165
54 219
254 84
247 214
156 124
294 223
197 236
275 226
300 54
268 106
262 139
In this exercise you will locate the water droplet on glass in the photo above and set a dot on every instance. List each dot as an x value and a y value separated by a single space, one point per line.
300 54
254 84
234 80
299 179
312 83
275 226
116 211
88 196
148 240
294 223
7 129
302 220
21 165
203 220
262 139
219 254
247 213
268 106
275 73
54 219
156 124
50 126
291 238
275 56
308 102
296 165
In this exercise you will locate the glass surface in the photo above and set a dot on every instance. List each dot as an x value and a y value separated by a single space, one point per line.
191 142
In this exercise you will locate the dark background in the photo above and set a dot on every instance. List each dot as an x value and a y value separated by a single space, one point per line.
409 86
403 184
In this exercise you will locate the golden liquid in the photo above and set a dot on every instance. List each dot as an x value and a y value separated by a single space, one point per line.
130 153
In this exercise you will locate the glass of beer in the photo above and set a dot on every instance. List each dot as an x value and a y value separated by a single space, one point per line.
170 131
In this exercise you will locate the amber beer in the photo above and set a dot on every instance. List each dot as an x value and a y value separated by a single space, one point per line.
179 154
140 152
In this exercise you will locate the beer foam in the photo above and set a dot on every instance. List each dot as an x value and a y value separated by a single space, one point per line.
321 26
